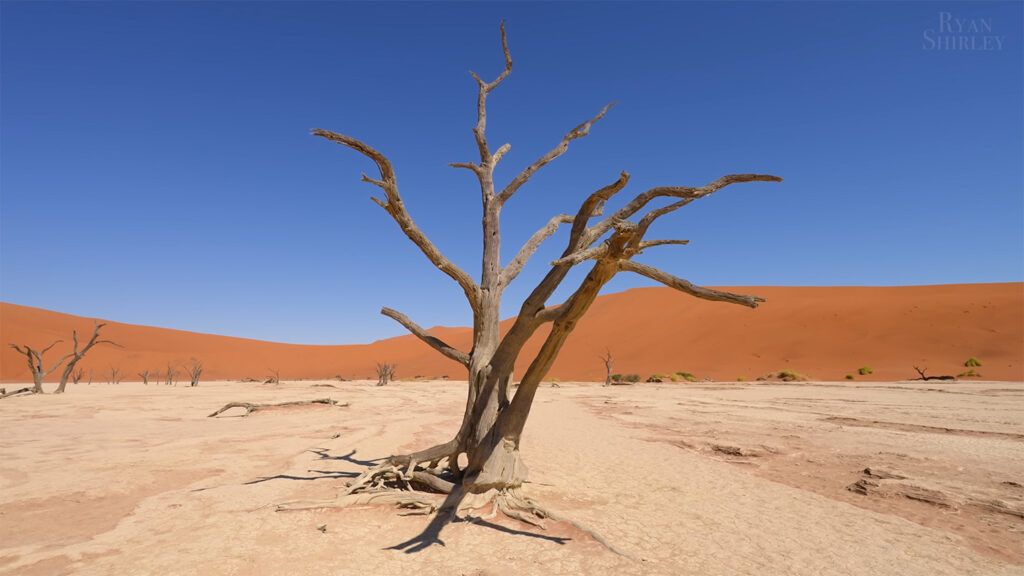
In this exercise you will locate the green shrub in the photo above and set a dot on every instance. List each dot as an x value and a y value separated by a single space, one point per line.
740 379
784 376
972 373
687 376
631 378
865 370
616 377
972 361
849 376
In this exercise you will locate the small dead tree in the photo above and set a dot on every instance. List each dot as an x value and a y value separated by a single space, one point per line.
194 371
274 378
608 361
172 373
114 376
76 376
77 355
34 358
494 418
145 377
385 372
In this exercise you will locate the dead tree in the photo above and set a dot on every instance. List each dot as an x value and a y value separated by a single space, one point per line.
34 358
76 376
171 374
145 377
194 371
76 354
114 375
926 378
608 360
385 372
494 418
274 378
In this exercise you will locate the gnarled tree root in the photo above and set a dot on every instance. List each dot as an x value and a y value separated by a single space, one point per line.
250 407
389 484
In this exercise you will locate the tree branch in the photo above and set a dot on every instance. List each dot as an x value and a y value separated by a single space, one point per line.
641 200
435 343
650 243
577 132
479 131
509 273
583 255
396 208
686 286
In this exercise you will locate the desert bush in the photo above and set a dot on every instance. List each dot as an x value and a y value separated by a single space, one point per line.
686 376
740 379
849 376
972 361
784 376
865 370
616 377
972 373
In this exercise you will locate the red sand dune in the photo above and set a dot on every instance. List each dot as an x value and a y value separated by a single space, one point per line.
822 332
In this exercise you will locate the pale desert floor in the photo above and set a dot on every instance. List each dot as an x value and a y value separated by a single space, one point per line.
687 479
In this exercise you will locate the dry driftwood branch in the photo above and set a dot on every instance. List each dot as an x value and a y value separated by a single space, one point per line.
5 394
250 407
432 341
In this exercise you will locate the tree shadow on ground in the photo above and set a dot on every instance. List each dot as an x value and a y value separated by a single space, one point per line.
445 515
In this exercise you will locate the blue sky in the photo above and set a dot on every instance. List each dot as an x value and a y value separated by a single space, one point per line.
156 165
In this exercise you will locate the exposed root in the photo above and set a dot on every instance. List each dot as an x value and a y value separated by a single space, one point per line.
415 485
250 407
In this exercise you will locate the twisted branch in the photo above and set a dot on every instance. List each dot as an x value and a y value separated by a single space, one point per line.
432 341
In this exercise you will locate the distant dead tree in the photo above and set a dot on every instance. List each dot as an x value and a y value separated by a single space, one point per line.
385 372
35 363
172 372
77 355
494 418
76 376
926 378
274 378
145 377
194 371
114 375
608 360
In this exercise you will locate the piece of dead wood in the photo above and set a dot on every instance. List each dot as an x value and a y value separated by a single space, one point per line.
6 394
250 407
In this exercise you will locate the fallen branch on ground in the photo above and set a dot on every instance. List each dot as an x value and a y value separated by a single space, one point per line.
250 407
6 394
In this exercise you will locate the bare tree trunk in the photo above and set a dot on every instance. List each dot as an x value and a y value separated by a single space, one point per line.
77 355
194 371
385 372
608 360
494 418
145 377
34 358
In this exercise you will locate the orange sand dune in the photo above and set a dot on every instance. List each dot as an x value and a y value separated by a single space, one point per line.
822 332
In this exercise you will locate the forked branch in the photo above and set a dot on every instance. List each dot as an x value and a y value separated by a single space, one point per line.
509 273
395 207
577 132
432 341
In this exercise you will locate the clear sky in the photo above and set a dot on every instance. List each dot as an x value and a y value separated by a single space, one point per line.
156 165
